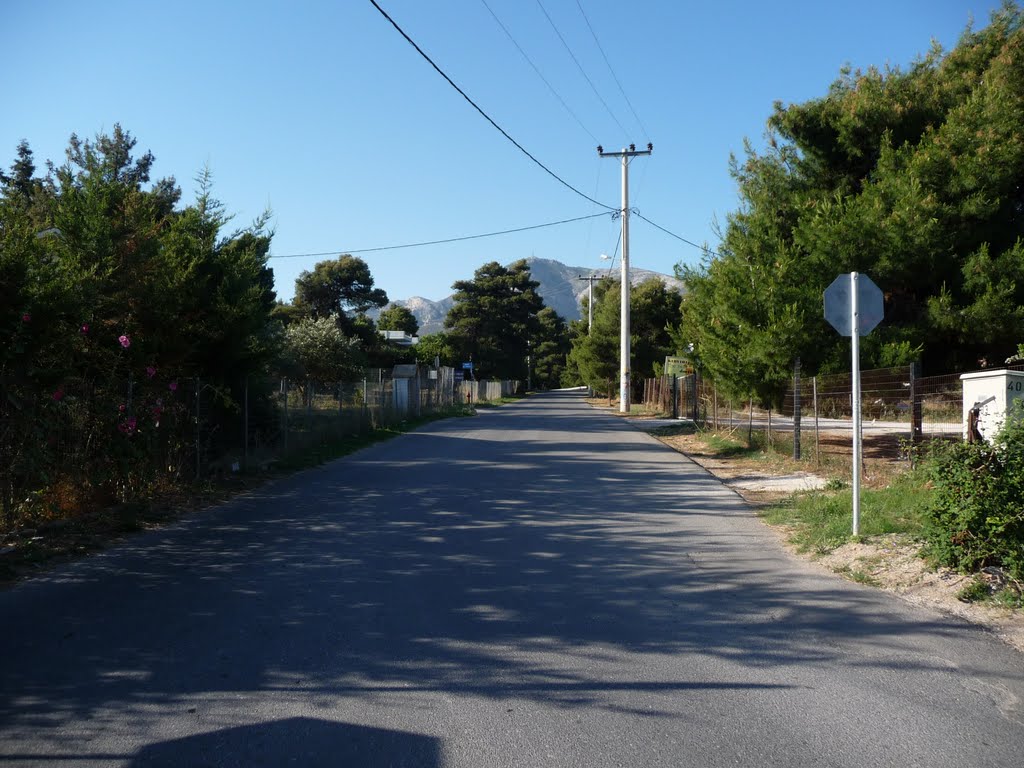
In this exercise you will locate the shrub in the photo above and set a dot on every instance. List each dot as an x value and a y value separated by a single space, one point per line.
977 516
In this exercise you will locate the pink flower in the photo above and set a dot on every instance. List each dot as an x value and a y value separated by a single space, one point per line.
127 426
150 371
26 318
84 328
121 408
58 395
125 341
173 386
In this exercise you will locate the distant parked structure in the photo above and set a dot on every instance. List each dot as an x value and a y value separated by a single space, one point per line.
400 338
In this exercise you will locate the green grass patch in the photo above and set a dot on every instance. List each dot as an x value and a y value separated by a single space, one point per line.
822 520
860 577
670 430
974 591
723 446
500 401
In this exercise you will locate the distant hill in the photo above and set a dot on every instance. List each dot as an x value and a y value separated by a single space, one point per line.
559 287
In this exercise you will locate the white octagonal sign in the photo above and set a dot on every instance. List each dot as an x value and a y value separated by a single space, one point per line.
870 305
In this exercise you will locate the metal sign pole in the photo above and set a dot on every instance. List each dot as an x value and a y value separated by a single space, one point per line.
854 305
855 344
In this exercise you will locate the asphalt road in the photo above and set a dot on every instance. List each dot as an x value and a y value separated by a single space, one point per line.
541 585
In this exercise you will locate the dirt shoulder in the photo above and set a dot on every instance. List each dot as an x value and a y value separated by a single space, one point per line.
890 562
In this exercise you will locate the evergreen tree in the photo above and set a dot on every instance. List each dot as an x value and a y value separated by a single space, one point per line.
550 349
436 346
493 318
398 318
342 288
654 311
111 292
909 176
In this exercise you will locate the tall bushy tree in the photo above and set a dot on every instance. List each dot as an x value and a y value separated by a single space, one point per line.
436 347
118 294
550 349
317 349
398 318
654 312
494 316
342 288
910 176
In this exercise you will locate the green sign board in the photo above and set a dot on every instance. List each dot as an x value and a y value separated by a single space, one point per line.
676 366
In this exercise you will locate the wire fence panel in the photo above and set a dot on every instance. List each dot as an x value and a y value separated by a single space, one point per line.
85 446
899 408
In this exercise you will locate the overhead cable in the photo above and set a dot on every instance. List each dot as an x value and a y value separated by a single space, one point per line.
580 67
437 242
541 76
635 212
487 117
605 57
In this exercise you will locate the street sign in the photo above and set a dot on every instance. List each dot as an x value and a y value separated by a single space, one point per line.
676 366
838 312
467 366
854 306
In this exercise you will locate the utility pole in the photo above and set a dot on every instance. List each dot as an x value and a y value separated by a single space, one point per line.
590 299
624 355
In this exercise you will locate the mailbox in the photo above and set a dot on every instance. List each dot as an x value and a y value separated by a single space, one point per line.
990 394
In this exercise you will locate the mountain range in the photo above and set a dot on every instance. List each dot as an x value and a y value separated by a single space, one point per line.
560 287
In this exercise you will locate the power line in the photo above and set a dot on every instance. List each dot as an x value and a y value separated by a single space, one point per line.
541 76
521 149
590 227
437 242
614 77
611 264
580 67
487 117
704 248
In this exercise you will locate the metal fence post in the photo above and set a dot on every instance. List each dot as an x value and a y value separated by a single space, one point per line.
198 454
284 386
916 417
817 449
796 410
696 406
245 425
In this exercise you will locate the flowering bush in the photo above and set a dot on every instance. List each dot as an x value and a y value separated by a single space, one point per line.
135 292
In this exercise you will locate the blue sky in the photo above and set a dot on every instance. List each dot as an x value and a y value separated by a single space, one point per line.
322 112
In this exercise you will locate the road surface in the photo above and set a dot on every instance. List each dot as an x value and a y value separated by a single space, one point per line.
540 585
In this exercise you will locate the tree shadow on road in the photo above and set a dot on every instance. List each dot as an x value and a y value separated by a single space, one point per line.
546 565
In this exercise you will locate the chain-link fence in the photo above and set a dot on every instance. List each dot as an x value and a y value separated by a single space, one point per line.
84 446
898 406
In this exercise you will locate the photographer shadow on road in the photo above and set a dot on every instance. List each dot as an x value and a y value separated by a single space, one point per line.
296 741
